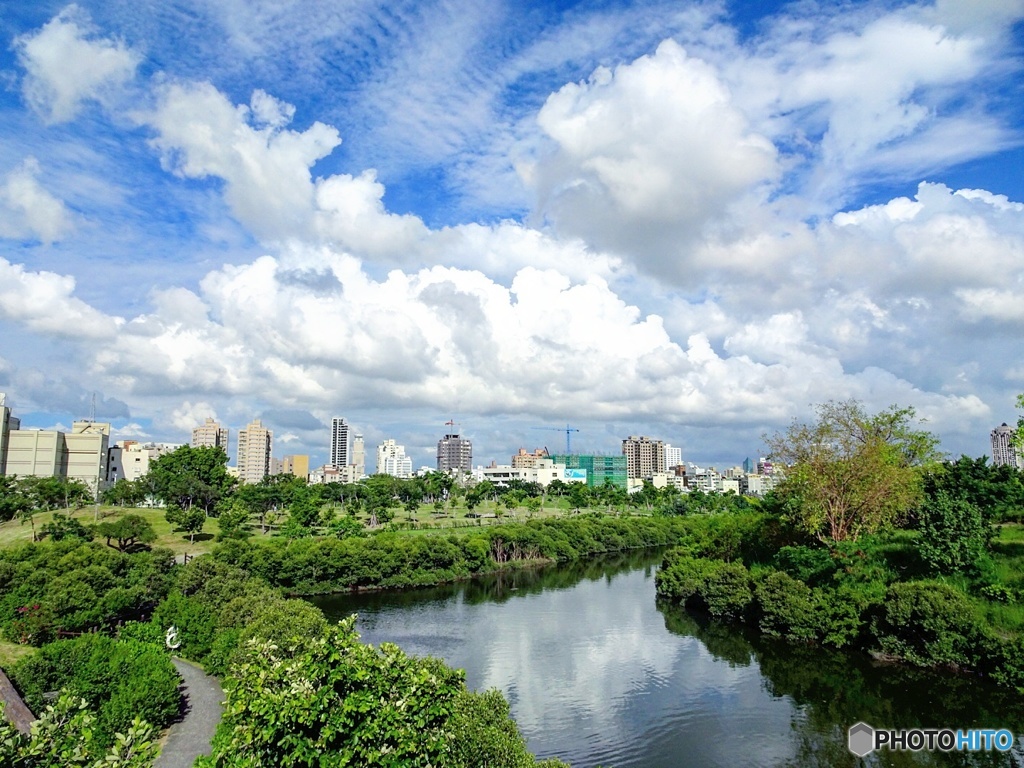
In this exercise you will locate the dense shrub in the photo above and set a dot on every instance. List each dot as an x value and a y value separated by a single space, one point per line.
73 586
360 705
954 536
786 608
929 623
722 589
119 679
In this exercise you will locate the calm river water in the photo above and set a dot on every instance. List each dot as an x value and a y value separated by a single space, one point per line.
598 673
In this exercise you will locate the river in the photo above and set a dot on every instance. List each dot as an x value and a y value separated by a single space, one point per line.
597 672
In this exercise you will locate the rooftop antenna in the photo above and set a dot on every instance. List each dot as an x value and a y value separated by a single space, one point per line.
92 408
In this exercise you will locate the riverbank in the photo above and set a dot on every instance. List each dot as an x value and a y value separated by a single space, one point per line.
876 596
389 560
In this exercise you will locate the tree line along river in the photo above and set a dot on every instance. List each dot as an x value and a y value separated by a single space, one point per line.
598 672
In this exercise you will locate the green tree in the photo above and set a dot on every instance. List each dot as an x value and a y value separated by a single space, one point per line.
191 477
13 500
125 493
954 535
65 527
190 520
850 472
129 531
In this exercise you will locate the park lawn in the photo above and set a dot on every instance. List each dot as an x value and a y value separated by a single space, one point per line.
15 532
12 652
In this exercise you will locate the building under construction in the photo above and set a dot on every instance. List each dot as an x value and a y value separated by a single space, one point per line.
599 468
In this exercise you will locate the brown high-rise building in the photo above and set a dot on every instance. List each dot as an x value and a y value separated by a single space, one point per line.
644 457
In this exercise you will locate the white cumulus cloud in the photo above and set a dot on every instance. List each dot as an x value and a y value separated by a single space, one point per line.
65 64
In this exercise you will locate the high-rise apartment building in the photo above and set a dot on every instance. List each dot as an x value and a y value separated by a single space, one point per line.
454 453
673 456
391 460
359 456
644 457
254 443
1003 449
339 456
210 434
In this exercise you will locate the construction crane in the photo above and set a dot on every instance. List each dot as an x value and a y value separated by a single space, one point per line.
568 434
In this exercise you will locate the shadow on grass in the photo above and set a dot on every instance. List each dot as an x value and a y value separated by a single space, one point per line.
198 537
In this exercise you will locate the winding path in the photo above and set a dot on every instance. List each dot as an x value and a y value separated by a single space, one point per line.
191 736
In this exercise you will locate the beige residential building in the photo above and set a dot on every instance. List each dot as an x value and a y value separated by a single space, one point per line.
254 444
297 465
644 457
359 456
524 460
210 434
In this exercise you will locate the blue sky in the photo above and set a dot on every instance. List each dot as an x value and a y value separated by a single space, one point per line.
686 220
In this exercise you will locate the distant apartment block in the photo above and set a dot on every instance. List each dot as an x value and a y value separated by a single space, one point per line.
339 454
454 453
210 434
254 446
644 457
359 456
524 460
391 460
297 465
673 456
1004 452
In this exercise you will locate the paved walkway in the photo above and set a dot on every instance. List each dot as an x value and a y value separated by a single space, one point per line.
15 709
191 737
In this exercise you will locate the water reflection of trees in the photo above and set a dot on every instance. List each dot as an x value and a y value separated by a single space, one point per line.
832 690
496 587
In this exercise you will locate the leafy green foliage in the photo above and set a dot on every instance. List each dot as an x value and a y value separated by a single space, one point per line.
129 531
64 736
191 477
954 536
119 679
190 520
339 702
852 473
929 623
65 527
720 588
73 586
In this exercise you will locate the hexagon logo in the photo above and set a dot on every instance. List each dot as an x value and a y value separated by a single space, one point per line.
861 739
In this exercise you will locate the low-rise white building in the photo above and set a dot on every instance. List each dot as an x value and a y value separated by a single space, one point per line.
544 473
130 459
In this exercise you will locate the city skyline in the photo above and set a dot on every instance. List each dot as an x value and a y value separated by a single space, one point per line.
686 220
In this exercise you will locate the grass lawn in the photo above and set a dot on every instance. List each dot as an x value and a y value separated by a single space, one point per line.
14 532
12 652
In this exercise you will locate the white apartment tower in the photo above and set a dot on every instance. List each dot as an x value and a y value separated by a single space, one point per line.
1003 449
359 455
339 443
254 443
673 456
210 434
391 460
